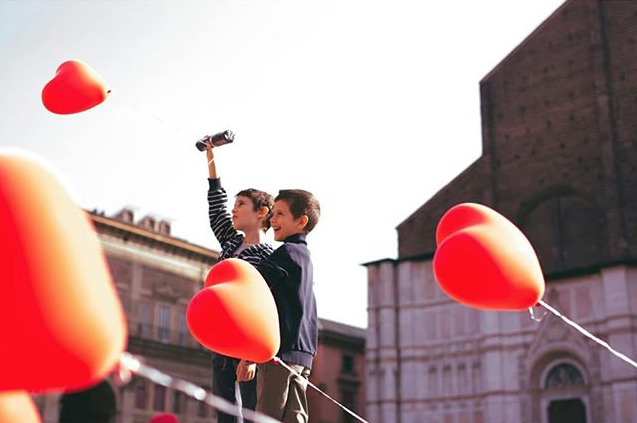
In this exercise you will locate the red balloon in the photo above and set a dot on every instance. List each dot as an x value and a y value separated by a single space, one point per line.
484 261
17 407
75 88
235 314
61 315
164 418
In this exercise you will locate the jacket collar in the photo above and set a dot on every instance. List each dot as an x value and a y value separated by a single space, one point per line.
296 238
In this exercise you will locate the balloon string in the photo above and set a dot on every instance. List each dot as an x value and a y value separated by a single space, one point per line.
152 116
277 360
533 317
588 334
136 366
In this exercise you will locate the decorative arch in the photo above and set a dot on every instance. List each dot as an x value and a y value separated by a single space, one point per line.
561 385
563 375
566 228
553 355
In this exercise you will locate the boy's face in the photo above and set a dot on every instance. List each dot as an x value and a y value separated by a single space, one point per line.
243 215
283 222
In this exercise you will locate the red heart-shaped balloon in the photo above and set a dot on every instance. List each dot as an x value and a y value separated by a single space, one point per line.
63 326
484 261
75 88
235 314
163 418
18 407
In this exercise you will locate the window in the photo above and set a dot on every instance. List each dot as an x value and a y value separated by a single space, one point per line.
140 395
159 400
177 402
348 399
144 320
182 329
163 323
347 364
202 409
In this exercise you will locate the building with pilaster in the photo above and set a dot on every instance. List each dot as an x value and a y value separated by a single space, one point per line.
559 157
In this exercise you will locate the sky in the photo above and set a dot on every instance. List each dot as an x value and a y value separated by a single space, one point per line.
371 105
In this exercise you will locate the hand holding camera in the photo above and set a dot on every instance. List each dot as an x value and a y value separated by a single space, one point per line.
216 140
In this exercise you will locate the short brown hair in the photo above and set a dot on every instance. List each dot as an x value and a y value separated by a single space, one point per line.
259 199
301 203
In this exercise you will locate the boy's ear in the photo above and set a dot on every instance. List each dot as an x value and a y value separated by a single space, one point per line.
263 211
303 220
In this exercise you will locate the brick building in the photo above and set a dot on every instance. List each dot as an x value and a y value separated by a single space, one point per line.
559 159
339 371
156 275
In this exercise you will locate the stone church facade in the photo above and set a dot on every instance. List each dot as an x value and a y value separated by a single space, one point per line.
559 159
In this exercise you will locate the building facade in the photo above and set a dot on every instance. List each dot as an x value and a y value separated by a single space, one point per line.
156 275
559 160
339 371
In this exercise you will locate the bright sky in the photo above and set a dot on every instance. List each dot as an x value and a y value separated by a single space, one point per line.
371 105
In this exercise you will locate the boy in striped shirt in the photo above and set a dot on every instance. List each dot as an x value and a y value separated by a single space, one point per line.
251 215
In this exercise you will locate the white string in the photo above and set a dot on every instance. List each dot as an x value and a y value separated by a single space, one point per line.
277 360
588 334
136 366
536 319
141 110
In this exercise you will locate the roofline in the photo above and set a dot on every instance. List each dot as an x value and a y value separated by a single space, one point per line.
342 332
477 162
368 263
523 42
153 236
322 319
417 257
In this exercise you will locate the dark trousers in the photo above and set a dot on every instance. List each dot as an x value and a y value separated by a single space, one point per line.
224 376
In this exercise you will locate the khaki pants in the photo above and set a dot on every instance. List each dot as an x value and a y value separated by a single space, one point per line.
280 394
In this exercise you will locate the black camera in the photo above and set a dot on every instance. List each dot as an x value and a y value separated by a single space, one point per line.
217 140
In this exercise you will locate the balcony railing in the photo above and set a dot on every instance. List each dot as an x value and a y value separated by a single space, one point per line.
166 335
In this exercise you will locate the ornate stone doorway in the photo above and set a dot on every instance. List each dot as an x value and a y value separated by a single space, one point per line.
564 393
567 411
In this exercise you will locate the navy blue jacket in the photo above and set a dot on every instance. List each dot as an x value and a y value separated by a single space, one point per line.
289 274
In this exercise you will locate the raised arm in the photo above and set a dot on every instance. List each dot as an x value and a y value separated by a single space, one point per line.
210 156
220 220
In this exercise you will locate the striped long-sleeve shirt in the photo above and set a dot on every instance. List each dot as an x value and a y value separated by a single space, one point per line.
229 238
231 242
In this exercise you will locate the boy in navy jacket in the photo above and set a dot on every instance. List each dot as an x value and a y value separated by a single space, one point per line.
288 272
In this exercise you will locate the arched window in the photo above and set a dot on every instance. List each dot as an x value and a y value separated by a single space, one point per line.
563 375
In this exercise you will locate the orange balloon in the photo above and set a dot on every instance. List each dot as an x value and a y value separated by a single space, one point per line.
235 314
18 407
62 323
484 261
75 88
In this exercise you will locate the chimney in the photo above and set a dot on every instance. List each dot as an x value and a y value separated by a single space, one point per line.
148 222
125 215
164 227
